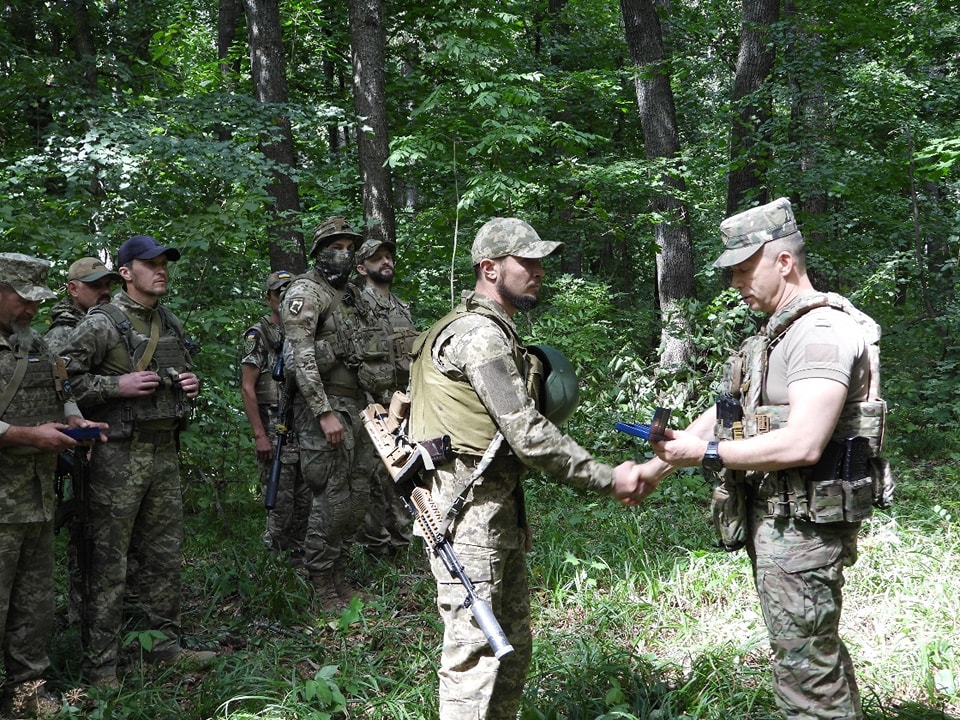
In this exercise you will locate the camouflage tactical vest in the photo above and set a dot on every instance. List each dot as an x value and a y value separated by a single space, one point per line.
796 492
386 342
443 406
272 337
168 407
40 396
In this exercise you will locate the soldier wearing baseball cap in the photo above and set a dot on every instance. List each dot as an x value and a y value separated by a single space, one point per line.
510 236
745 233
144 247
475 382
89 283
277 281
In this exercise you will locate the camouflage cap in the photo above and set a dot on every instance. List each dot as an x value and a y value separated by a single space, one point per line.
509 236
90 269
26 275
370 247
331 229
278 279
745 233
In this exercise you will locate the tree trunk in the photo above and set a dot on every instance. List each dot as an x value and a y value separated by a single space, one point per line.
748 154
268 69
83 44
368 46
662 143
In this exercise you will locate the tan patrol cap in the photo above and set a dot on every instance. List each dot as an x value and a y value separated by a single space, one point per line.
90 269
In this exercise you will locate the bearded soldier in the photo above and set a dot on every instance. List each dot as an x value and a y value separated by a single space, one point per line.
34 400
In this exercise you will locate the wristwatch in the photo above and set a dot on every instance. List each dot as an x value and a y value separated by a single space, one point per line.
712 462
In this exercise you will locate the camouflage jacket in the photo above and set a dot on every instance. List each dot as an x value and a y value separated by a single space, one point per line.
64 317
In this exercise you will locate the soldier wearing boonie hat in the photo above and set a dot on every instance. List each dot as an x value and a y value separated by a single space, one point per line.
261 392
745 233
26 275
35 406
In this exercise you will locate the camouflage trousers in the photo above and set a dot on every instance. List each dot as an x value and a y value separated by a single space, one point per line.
287 522
26 599
474 685
798 571
339 479
388 524
136 522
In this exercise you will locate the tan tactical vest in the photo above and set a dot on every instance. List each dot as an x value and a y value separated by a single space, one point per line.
266 388
791 491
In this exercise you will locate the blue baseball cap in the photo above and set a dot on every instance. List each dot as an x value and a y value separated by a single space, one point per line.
144 247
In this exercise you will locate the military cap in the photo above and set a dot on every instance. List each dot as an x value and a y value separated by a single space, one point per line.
745 233
331 229
509 236
370 247
90 269
26 275
144 247
278 279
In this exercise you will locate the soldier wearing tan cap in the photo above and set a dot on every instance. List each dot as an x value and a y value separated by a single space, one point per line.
89 283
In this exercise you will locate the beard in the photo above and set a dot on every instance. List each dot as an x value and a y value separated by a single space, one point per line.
523 303
382 278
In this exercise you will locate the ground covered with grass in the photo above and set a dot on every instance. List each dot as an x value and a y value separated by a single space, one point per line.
637 615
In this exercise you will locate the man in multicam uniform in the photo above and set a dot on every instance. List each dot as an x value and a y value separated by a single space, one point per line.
33 403
89 283
472 377
818 372
262 395
129 365
387 341
320 313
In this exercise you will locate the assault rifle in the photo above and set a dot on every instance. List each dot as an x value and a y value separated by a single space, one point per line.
282 427
74 465
405 461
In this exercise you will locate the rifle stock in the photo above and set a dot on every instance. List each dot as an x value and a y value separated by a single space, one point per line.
428 517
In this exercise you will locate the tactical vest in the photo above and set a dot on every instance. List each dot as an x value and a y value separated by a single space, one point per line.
335 345
806 493
168 407
443 406
386 345
41 393
272 337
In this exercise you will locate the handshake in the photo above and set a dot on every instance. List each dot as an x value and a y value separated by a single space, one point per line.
633 482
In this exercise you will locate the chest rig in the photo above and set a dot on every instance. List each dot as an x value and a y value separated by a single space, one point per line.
850 477
34 384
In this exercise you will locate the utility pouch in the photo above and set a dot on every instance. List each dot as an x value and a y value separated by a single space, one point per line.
728 506
729 424
840 487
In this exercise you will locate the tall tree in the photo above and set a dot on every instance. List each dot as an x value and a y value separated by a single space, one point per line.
268 69
662 145
749 149
368 48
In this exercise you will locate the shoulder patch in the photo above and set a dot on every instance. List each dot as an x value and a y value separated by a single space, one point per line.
295 306
249 342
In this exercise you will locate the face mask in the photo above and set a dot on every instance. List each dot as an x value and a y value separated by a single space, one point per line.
336 265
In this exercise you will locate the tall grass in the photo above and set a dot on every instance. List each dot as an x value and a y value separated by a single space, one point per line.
637 615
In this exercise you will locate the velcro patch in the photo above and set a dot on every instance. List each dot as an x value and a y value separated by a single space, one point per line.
295 306
498 383
822 353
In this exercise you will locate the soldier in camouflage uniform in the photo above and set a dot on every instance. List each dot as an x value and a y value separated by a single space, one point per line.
387 341
321 319
816 375
262 345
89 283
33 403
129 365
471 378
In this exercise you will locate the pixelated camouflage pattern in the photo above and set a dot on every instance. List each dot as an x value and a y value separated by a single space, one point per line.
135 512
744 233
64 317
26 275
500 237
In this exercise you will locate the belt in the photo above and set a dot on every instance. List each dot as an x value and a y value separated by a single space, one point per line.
345 391
155 437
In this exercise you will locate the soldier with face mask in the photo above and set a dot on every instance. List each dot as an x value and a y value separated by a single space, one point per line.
321 321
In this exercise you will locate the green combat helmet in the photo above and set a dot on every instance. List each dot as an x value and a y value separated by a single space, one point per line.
560 394
331 229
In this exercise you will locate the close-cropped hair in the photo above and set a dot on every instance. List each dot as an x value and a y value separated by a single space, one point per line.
792 244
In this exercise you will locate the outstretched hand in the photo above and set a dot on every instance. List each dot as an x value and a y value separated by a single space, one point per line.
633 482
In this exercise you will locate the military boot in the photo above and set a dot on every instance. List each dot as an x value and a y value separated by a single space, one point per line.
29 700
325 592
348 590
